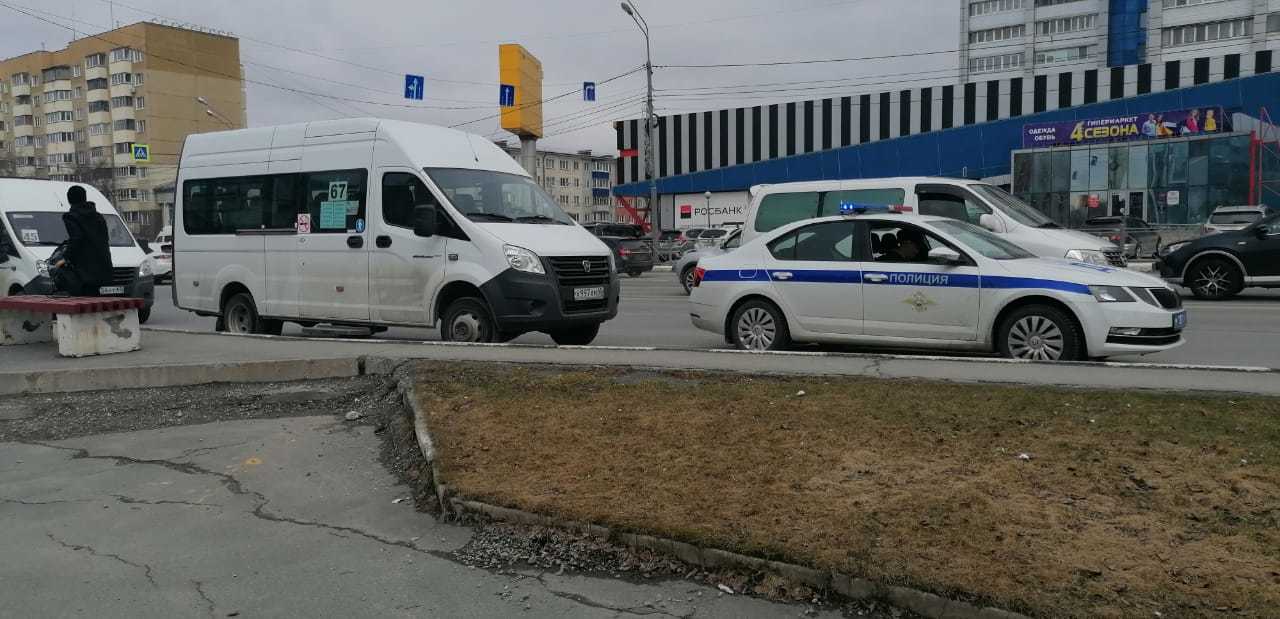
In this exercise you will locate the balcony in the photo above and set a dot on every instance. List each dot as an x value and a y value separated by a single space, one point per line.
103 140
123 112
22 130
122 90
22 110
99 94
120 137
59 106
21 90
93 73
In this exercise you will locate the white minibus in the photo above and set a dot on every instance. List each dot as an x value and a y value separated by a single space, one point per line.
379 223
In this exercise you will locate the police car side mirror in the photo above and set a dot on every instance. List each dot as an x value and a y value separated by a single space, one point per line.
945 255
990 222
424 220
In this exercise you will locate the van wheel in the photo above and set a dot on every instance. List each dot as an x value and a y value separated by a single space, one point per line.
468 320
759 325
580 336
1215 279
144 315
1040 333
240 316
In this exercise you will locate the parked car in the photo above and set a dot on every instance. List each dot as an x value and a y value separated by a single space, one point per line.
161 258
684 269
1221 265
1232 218
709 238
928 282
1140 239
632 251
670 246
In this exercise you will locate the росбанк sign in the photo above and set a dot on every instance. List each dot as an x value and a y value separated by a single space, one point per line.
1148 126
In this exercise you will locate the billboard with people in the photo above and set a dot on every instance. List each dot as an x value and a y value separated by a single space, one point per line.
1149 126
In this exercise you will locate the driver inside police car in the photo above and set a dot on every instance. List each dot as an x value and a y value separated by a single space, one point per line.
86 265
911 247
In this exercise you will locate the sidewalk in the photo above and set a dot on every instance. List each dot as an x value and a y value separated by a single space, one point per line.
171 358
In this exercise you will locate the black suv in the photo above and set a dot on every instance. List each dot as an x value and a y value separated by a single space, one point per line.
632 250
1221 265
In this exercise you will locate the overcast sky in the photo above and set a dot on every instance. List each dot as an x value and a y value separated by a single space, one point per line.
455 46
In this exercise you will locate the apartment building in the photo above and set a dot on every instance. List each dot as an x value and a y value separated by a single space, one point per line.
582 183
1001 39
75 114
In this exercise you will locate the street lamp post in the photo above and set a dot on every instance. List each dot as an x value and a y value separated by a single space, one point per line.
208 110
650 164
707 195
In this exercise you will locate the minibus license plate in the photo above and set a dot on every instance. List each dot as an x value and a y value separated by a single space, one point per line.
1180 320
588 294
111 290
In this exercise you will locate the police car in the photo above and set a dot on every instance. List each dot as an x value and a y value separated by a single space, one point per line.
874 276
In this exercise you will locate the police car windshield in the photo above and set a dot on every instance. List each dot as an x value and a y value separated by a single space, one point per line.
1020 211
982 241
483 195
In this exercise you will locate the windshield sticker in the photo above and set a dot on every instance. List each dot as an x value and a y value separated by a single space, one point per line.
304 223
338 191
333 215
30 237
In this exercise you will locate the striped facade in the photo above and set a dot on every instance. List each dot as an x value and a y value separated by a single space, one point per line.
701 141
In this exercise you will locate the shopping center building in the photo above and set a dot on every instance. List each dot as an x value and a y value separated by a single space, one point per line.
980 130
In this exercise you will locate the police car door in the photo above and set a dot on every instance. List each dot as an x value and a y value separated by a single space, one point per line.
908 295
815 272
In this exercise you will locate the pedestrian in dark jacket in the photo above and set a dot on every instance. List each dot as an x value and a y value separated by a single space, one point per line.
88 252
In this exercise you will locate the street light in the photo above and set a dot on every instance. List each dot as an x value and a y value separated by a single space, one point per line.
707 195
208 110
651 166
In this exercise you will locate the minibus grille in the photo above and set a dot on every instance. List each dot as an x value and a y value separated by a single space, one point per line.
578 272
122 276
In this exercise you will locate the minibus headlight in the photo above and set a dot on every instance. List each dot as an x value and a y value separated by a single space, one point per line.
145 269
524 260
42 267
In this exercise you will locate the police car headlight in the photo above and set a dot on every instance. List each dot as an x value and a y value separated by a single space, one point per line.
524 260
145 269
42 267
1089 256
1111 294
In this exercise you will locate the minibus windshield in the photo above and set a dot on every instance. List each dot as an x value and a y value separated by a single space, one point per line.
45 229
487 196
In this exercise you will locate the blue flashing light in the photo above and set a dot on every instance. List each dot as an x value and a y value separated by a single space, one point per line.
851 208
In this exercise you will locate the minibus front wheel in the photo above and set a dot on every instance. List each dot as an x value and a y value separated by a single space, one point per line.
468 320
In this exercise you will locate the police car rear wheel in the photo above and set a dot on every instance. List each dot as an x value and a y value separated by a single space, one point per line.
686 278
760 326
1040 333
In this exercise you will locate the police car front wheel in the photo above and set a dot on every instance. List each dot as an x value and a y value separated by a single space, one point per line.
759 325
1040 333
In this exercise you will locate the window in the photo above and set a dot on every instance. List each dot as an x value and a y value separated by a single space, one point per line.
79 92
124 148
125 124
1066 24
22 121
95 60
1170 4
946 204
125 101
82 158
37 99
987 7
575 165
1062 55
21 79
224 206
998 34
826 242
1002 62
97 83
903 243
1040 3
22 100
137 79
61 137
99 106
75 70
1273 22
59 117
53 74
140 103
121 78
141 126
577 182
125 54
80 113
24 141
779 209
335 199
59 95
1201 33
401 193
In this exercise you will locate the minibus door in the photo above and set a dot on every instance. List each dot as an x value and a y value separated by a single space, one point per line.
333 260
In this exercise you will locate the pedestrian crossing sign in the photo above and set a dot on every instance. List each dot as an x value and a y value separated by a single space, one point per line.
142 153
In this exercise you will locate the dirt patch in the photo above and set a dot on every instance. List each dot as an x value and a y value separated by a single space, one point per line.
51 417
1053 502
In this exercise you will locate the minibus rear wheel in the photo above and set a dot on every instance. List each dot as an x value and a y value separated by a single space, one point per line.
240 316
468 320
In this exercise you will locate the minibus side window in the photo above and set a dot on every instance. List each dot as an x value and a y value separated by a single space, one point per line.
401 192
779 209
224 205
335 200
282 208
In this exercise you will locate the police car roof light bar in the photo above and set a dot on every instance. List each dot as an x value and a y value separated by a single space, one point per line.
850 208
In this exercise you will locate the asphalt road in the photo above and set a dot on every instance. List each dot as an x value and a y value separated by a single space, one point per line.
1244 331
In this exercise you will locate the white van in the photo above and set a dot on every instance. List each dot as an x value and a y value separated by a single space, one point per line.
979 203
377 223
31 228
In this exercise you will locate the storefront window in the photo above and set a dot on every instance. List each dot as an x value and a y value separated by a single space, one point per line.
1197 205
1138 167
1157 165
1022 173
1080 169
1118 168
1042 181
1198 161
1177 163
1098 169
1237 167
1061 171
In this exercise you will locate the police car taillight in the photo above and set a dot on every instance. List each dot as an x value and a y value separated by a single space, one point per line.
698 274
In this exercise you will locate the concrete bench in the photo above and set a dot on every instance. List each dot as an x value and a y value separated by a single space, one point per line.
85 325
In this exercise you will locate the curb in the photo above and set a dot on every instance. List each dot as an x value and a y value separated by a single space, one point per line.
146 377
920 602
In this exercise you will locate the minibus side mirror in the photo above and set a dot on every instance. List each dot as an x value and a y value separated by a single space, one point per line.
424 220
146 247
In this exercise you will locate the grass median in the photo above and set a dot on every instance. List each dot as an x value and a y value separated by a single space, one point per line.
1052 502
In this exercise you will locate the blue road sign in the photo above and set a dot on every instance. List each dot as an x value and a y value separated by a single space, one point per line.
506 95
414 85
141 152
588 91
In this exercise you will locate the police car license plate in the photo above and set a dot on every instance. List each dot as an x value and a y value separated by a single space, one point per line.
111 290
1180 320
588 294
